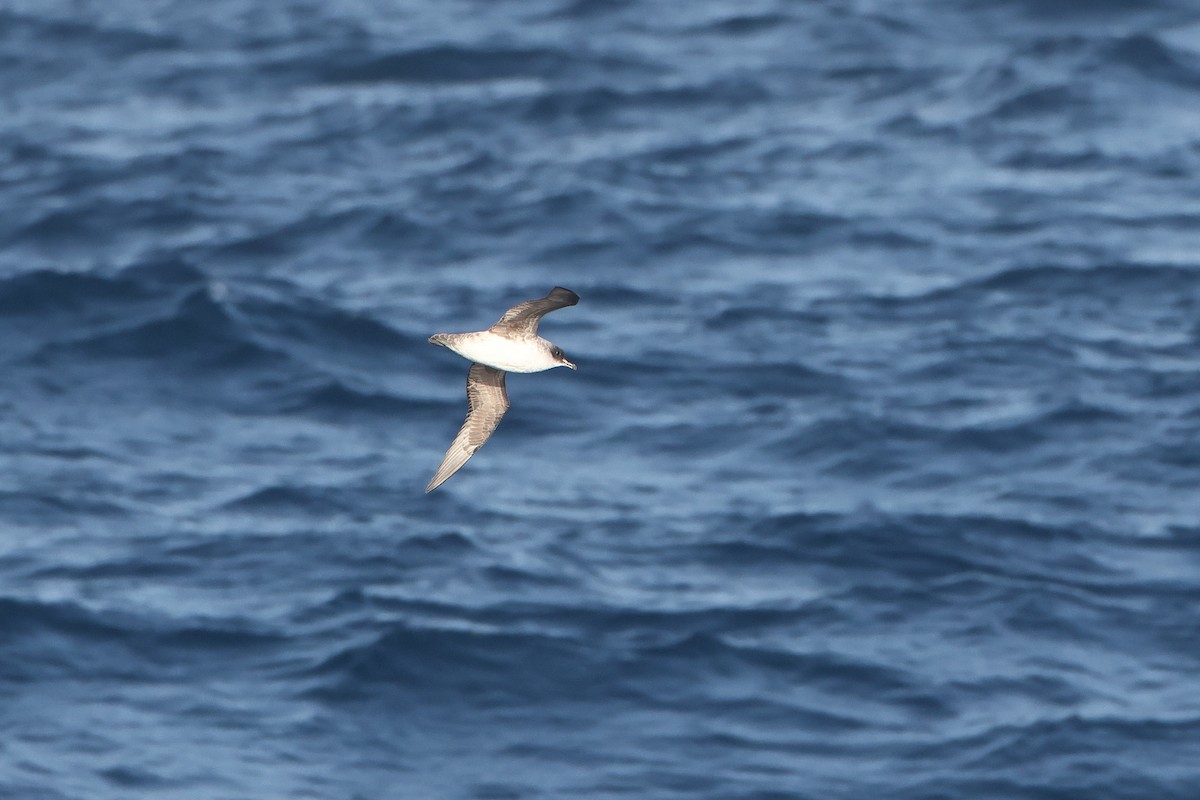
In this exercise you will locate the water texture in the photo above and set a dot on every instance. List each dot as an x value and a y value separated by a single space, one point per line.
878 478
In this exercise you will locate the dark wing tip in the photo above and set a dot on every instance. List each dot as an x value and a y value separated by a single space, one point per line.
564 296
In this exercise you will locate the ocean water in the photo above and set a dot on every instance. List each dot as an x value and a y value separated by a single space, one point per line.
879 478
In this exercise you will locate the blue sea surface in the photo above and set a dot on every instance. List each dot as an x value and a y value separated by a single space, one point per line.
879 477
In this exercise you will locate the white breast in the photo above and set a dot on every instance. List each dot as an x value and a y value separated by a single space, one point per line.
510 355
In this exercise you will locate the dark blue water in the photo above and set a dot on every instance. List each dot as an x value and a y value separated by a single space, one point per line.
878 478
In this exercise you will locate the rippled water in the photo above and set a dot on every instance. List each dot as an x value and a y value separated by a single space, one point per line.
878 477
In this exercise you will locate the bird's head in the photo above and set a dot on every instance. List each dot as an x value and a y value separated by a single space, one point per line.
560 357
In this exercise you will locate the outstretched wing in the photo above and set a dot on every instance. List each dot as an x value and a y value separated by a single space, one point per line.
487 401
522 319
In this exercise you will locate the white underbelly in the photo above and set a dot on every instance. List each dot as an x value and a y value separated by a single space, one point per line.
501 353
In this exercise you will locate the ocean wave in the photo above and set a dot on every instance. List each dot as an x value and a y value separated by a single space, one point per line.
597 103
454 663
332 397
453 63
747 24
293 500
1152 57
272 349
451 662
930 547
79 34
896 445
1113 285
66 505
48 291
65 639
197 334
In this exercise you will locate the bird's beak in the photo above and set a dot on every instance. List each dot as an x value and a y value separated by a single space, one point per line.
566 363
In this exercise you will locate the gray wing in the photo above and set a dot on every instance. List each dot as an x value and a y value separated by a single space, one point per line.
523 318
487 401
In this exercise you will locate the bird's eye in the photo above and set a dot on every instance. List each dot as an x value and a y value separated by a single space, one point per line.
557 352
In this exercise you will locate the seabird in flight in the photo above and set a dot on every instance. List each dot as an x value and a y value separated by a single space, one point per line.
511 345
